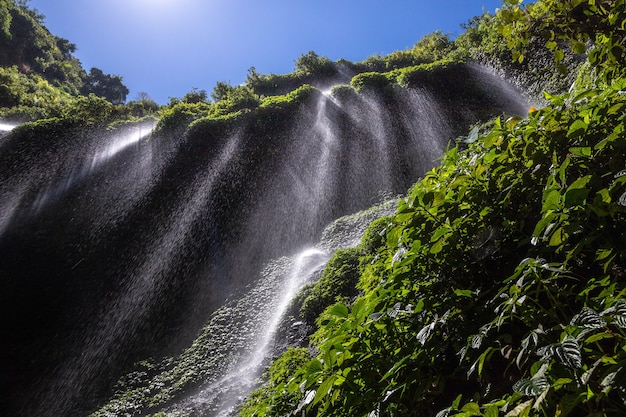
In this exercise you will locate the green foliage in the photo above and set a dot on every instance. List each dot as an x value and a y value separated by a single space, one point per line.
280 374
90 109
372 81
195 96
421 75
339 279
313 64
296 97
221 91
29 91
5 18
180 115
582 26
235 99
28 45
104 85
142 106
432 47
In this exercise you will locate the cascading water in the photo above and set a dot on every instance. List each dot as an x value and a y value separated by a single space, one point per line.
122 247
6 127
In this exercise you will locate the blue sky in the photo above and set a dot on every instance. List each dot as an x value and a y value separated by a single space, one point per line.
167 47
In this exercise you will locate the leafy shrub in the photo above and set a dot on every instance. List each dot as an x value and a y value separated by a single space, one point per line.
180 115
339 279
374 236
19 90
432 47
343 92
235 99
422 75
280 374
28 45
313 64
370 81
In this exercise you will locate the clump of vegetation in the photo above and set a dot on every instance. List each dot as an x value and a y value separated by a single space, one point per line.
278 377
500 287
39 75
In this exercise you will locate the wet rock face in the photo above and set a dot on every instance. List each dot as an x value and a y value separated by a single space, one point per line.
118 248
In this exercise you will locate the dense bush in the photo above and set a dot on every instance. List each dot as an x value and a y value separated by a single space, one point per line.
280 373
314 64
235 99
180 115
27 44
370 81
339 279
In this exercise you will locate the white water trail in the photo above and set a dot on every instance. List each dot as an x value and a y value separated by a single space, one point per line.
372 119
516 103
121 142
7 127
276 291
113 146
423 121
143 288
321 187
8 209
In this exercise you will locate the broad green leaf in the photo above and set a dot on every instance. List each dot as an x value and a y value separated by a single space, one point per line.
314 366
323 389
581 151
616 108
577 47
463 293
561 382
438 246
471 409
552 200
598 336
557 237
492 411
339 310
580 183
456 402
519 409
576 129
441 231
604 195
576 197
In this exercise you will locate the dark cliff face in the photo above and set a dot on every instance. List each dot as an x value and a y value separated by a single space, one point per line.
113 256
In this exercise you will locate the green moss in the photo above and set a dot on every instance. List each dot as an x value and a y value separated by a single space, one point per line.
180 115
370 81
287 101
338 280
343 92
423 75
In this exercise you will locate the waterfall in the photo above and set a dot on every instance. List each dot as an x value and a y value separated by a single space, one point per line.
6 127
150 272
